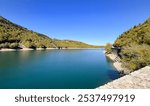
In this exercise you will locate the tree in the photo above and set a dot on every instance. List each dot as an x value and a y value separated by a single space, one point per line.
108 48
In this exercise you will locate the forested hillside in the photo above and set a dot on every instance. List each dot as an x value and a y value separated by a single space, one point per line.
137 35
135 46
15 36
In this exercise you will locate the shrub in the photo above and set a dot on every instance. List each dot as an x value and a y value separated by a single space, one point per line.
108 48
14 45
136 56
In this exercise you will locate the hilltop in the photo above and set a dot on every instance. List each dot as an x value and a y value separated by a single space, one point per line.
137 35
135 46
15 36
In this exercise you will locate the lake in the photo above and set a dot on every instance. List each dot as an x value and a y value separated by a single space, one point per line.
55 69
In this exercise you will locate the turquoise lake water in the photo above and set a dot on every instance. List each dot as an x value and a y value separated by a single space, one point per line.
55 69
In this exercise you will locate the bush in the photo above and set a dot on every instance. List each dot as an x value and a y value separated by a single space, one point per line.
136 56
108 48
14 45
4 45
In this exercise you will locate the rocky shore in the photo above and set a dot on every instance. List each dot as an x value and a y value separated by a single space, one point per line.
117 63
139 79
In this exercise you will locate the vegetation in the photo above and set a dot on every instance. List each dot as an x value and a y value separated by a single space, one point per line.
108 48
135 45
136 56
72 44
15 36
137 35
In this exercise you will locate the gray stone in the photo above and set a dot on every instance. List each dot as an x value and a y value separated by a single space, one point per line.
139 79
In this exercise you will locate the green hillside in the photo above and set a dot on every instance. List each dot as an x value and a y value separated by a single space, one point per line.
15 36
135 46
137 35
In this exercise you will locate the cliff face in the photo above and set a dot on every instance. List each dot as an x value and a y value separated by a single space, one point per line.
135 46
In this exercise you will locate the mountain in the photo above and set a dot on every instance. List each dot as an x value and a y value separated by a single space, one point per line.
135 46
15 36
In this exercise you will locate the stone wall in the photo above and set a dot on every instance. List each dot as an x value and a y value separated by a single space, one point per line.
139 79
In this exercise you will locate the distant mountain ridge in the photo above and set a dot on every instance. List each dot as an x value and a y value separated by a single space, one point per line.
15 36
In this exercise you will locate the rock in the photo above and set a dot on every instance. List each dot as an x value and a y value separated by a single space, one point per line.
117 63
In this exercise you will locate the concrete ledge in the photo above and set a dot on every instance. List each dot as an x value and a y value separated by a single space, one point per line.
139 79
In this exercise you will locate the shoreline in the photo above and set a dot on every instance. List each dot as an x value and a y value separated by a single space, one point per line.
129 80
117 64
29 49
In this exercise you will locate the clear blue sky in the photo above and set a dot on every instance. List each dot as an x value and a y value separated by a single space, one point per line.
91 21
